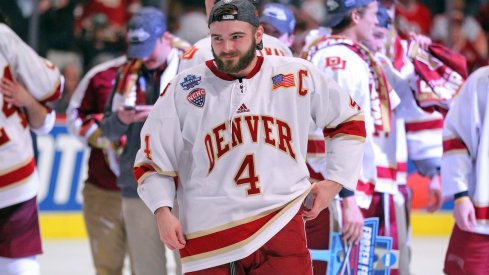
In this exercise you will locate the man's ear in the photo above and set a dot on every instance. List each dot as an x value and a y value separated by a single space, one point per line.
259 34
355 16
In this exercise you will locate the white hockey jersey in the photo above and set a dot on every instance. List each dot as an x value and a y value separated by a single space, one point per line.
18 177
465 159
419 133
238 147
337 57
201 51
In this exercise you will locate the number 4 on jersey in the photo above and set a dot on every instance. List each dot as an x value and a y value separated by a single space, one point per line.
250 177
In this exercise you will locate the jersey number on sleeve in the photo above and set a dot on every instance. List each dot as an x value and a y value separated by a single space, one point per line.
249 177
8 110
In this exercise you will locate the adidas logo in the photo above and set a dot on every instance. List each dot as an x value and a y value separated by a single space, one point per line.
243 109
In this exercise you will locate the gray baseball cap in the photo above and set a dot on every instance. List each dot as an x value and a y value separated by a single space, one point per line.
279 16
338 9
246 12
144 28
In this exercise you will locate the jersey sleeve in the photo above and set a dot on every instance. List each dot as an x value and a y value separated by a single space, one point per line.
39 76
155 167
461 137
192 57
81 125
342 121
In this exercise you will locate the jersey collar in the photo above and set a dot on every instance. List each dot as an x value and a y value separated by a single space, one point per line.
210 64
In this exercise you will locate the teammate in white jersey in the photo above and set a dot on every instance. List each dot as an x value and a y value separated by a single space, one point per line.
465 176
358 71
233 135
201 51
28 82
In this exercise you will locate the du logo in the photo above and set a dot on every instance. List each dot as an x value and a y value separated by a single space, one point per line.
62 166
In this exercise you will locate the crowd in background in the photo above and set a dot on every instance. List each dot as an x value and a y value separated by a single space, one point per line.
78 34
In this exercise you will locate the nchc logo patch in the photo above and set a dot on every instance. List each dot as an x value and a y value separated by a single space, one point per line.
283 80
197 97
190 81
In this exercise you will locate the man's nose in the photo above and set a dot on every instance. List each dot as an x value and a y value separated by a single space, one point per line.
228 46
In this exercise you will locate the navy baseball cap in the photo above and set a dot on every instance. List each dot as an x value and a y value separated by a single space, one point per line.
383 17
144 28
338 9
279 16
246 12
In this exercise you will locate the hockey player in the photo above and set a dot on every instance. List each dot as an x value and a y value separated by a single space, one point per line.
359 72
201 51
464 176
28 82
234 131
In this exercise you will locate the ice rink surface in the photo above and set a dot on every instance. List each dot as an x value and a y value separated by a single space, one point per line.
63 257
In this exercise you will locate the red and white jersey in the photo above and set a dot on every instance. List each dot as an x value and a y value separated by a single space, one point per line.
419 131
423 129
18 180
465 159
85 111
201 51
334 55
238 147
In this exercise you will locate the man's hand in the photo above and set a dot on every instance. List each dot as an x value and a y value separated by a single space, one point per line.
464 214
138 114
423 41
15 94
434 194
323 193
352 221
170 229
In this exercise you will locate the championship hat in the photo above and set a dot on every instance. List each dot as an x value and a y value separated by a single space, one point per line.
246 12
338 9
144 28
279 16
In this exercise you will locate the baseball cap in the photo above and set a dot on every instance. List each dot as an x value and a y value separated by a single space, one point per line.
383 17
144 28
246 12
338 9
279 16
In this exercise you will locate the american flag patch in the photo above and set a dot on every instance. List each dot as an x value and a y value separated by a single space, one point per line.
283 80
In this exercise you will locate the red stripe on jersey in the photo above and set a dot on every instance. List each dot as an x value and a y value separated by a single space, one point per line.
402 167
366 187
224 238
313 174
18 174
54 96
453 144
353 127
386 173
316 146
481 213
141 170
436 124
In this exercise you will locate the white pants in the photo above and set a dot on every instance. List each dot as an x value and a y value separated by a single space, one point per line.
19 266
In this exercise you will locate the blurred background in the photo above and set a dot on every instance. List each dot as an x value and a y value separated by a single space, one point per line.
78 34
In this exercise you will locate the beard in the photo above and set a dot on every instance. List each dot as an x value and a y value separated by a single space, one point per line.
244 60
